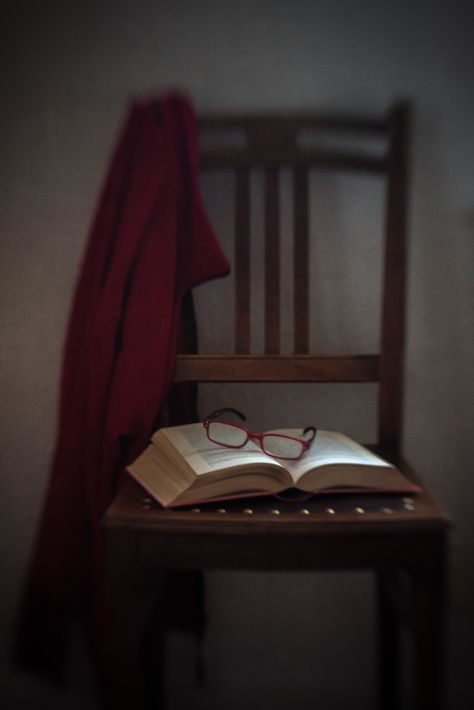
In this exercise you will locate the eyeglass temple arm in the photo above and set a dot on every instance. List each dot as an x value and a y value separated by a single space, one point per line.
313 431
225 410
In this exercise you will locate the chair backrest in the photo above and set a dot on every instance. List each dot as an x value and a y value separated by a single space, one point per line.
272 142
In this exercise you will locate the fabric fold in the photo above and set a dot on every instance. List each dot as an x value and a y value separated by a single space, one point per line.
150 243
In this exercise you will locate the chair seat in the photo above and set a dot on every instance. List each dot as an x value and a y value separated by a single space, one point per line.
245 527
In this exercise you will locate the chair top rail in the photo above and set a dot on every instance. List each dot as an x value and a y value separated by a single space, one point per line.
297 121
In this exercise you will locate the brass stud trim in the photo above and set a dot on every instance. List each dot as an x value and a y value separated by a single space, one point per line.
222 511
330 511
304 511
248 511
359 510
275 511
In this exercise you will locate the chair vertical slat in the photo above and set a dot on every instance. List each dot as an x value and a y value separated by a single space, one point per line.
393 306
301 260
242 261
272 261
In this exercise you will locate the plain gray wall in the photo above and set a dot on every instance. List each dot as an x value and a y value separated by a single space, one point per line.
69 70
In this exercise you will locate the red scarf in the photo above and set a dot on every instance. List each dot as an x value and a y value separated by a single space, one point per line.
150 242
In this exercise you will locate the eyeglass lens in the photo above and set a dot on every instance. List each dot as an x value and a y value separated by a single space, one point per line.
282 447
226 434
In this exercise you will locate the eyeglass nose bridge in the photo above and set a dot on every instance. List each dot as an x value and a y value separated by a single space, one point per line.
255 435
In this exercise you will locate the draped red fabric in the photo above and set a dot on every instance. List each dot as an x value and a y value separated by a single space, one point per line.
150 242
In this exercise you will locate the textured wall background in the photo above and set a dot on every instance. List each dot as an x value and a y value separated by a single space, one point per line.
68 71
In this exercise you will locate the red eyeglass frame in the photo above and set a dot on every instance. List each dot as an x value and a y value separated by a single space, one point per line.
211 419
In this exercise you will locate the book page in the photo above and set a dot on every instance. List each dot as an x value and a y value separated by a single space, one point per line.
331 448
160 478
205 457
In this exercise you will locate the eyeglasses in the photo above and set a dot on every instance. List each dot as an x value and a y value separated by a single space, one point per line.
234 436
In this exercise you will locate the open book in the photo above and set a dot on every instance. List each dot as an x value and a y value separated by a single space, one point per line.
181 466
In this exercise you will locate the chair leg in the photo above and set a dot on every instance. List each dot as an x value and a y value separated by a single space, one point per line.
153 654
429 612
388 647
122 678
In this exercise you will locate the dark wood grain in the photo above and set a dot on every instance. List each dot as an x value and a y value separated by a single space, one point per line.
242 261
301 201
272 261
337 160
268 368
345 123
394 283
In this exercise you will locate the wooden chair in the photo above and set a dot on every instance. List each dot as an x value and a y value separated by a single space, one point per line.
403 542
